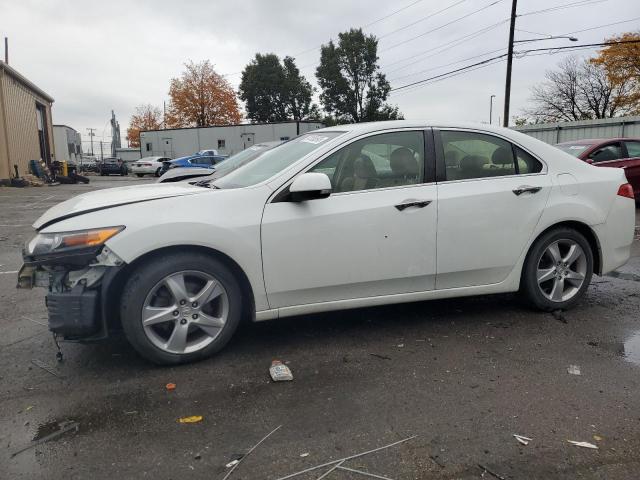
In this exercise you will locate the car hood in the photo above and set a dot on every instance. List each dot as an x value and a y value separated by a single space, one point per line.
114 197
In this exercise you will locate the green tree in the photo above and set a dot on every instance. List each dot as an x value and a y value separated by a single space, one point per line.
353 87
275 91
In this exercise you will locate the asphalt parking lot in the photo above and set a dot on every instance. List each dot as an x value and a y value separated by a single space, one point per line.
461 375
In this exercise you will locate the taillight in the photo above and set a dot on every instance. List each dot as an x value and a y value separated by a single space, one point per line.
626 190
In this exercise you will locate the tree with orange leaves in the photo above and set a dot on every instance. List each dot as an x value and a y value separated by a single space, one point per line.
201 97
621 61
146 117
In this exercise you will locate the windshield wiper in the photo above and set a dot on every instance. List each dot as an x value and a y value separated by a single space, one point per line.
205 183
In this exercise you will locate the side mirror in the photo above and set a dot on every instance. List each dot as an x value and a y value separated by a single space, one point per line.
310 186
588 160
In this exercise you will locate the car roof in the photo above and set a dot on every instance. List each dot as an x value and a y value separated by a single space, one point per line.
366 127
151 158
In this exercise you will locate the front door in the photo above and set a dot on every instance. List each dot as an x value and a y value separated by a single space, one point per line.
248 140
375 235
167 147
491 195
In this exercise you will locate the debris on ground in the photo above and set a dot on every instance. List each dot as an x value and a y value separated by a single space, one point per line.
64 428
337 464
233 465
559 315
400 345
383 357
191 419
306 454
521 439
583 444
574 370
280 372
597 438
434 459
486 470
171 386
45 367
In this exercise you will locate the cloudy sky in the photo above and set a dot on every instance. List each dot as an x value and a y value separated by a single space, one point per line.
94 56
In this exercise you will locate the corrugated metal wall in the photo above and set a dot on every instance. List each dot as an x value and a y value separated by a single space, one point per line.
627 127
19 126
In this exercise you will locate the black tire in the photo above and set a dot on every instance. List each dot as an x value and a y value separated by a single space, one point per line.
529 285
159 171
147 275
140 175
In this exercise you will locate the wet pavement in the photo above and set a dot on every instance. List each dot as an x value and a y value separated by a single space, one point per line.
463 375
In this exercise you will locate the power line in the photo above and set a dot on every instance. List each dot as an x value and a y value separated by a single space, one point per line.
486 61
365 26
446 65
392 14
453 43
495 2
421 19
580 3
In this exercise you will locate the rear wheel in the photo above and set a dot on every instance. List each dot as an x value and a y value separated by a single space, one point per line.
180 309
159 171
557 270
140 175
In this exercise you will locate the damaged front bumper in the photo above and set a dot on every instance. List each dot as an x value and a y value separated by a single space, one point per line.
78 285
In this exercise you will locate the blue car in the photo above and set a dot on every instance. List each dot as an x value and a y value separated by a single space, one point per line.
202 161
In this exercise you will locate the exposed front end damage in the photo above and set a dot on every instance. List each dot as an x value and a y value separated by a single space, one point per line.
77 284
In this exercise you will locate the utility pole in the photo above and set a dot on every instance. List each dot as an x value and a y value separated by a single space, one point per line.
491 108
507 86
6 50
91 135
164 115
101 153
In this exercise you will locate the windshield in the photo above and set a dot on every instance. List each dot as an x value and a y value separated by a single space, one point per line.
276 160
573 149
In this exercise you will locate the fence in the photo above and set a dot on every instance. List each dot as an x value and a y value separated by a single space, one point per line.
625 127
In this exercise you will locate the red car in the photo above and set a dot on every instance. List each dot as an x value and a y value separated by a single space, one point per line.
610 152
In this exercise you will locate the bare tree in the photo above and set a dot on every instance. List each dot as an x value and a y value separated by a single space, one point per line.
578 90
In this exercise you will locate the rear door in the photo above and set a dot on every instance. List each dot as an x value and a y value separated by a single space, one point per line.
491 195
632 164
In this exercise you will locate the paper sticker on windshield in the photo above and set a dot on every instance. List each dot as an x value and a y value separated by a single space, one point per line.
576 147
314 139
254 148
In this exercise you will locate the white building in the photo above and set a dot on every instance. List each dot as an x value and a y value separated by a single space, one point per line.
128 155
67 144
227 140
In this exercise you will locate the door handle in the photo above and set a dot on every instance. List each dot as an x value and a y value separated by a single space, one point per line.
412 203
526 189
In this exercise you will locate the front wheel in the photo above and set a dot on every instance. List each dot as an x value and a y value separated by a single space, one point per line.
140 175
557 270
159 171
181 308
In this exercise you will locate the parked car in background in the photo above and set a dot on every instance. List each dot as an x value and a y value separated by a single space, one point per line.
203 161
344 217
221 169
112 166
148 166
610 152
88 164
211 153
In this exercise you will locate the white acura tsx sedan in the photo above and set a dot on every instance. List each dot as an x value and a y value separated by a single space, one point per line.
342 217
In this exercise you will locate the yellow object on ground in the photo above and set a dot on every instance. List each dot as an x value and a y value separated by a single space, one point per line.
191 419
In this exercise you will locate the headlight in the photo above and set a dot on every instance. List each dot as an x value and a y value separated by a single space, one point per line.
46 243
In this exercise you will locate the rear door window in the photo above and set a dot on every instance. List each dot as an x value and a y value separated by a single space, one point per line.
611 151
633 149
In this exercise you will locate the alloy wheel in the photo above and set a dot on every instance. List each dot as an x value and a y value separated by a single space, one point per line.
562 269
185 311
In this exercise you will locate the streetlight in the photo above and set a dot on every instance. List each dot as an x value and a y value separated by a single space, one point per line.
550 37
507 83
491 108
